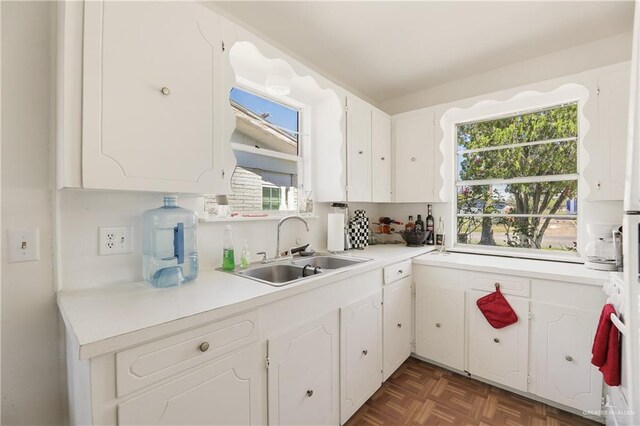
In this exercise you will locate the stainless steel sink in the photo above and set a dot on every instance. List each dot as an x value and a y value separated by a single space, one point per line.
290 271
329 262
276 274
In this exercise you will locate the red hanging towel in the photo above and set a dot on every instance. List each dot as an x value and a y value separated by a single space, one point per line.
606 347
497 310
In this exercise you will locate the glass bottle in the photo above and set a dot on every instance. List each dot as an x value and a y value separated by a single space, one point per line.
228 260
169 251
430 227
245 258
419 224
440 232
409 226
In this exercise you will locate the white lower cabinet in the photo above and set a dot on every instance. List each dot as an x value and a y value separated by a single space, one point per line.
397 319
562 339
224 392
499 355
360 353
303 377
440 325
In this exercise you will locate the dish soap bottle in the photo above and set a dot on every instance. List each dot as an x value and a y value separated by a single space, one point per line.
169 251
245 259
228 260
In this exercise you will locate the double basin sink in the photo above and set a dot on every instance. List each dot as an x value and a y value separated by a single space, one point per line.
291 271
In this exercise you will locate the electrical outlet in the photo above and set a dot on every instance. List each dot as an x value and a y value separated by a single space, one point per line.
24 245
115 240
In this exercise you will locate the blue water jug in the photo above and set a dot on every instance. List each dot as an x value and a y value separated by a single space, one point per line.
169 252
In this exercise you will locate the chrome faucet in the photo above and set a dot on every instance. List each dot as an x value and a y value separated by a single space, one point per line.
283 220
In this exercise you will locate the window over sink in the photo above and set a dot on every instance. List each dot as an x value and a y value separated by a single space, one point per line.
266 145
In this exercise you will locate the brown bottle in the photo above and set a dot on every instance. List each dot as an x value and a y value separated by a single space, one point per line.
409 226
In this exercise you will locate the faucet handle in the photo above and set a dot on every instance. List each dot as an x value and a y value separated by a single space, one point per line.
264 256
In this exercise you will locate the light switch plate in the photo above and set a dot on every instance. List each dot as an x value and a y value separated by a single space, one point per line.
24 245
115 240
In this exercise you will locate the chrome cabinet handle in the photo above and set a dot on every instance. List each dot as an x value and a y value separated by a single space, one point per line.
382 158
399 325
413 158
310 393
495 339
165 91
360 152
365 352
438 324
568 358
204 346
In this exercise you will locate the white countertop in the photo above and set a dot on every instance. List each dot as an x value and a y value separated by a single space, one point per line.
107 319
556 271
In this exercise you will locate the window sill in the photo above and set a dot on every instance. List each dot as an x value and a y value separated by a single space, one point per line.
240 218
568 257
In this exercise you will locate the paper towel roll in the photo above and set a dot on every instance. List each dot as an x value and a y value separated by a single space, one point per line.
335 232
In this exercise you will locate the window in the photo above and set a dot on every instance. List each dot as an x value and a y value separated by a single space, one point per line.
517 179
266 146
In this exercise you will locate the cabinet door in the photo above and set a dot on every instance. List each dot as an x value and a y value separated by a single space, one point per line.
380 157
226 392
414 146
360 353
613 114
397 314
562 337
440 325
303 378
358 150
499 355
152 97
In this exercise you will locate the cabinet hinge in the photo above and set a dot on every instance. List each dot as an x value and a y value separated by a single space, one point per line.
413 291
382 303
598 91
528 379
267 363
530 315
413 345
223 46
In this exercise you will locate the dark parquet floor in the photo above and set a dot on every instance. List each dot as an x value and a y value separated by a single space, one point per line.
423 394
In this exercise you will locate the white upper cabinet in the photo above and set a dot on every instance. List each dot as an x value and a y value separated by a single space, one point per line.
368 152
414 156
358 150
380 157
153 95
613 117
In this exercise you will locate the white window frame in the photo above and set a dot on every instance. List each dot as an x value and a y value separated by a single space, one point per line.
493 109
304 124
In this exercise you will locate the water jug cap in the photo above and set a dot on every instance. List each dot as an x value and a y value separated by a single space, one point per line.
171 200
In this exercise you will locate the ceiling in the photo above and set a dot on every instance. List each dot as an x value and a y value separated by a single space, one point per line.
387 49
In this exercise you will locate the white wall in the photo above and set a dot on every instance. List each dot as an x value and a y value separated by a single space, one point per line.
82 212
32 373
581 58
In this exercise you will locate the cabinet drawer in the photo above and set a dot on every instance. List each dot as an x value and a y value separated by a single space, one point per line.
518 286
395 272
140 366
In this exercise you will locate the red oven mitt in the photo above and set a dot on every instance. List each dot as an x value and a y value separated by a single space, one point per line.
497 310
